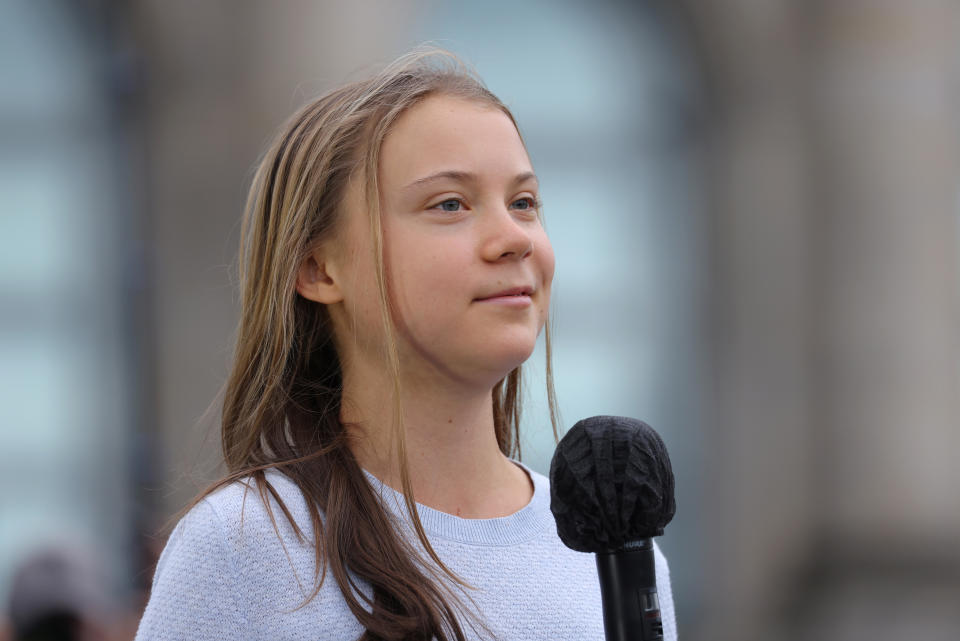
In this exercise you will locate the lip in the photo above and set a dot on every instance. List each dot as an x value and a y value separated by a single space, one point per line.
519 291
514 296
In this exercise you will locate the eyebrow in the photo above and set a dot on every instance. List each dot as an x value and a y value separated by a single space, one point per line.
467 177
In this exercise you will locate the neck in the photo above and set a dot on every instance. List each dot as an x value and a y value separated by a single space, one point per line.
454 461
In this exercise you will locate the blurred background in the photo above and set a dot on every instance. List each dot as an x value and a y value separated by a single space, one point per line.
754 207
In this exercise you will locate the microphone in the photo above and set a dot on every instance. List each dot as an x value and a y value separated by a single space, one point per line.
611 491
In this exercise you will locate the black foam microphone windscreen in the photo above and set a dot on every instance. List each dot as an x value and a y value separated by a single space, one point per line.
610 484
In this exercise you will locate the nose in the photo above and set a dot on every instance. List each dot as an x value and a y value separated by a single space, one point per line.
506 237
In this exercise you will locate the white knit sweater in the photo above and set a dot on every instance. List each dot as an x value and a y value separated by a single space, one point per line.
223 578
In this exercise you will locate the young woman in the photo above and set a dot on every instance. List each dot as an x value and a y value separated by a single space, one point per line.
395 275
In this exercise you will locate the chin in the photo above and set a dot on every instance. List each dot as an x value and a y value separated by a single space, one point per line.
501 362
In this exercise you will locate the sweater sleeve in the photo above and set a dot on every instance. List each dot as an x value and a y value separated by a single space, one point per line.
665 594
195 586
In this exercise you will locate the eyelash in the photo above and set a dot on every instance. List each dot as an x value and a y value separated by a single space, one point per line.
533 203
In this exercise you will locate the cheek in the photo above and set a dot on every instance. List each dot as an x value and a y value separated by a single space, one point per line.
422 277
544 250
547 264
429 282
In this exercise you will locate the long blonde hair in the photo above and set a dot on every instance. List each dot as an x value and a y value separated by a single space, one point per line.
281 406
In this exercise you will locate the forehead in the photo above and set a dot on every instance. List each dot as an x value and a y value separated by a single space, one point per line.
451 133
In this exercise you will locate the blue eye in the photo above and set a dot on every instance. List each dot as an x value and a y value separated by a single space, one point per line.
451 204
525 204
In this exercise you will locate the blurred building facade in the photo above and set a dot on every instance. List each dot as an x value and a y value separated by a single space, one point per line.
835 319
755 210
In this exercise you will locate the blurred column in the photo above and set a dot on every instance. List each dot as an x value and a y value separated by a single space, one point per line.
887 321
837 314
757 489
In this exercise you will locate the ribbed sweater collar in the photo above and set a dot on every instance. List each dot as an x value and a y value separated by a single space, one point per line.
523 525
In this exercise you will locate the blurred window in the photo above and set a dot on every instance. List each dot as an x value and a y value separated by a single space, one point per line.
64 392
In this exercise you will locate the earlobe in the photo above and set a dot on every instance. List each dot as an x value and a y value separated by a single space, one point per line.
316 283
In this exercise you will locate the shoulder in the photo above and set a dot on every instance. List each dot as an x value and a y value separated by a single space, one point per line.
243 509
217 529
195 583
238 515
235 565
250 528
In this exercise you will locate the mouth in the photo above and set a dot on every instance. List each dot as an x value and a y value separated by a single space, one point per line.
516 294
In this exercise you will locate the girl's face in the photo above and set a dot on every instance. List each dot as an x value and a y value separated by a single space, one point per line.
467 261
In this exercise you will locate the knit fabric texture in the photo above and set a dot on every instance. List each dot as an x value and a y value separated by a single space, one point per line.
226 574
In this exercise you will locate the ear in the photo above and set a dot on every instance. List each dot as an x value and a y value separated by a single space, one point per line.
315 279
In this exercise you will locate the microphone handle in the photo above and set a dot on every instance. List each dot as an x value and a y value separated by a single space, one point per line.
628 587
